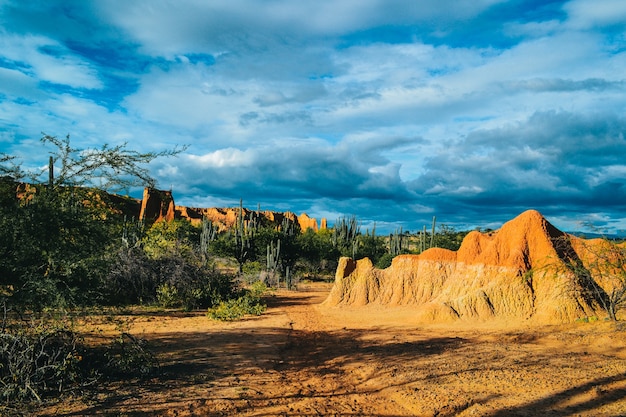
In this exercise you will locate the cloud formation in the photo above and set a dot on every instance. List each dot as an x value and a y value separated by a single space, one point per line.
394 111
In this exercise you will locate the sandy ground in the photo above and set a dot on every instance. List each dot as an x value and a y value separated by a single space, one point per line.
303 359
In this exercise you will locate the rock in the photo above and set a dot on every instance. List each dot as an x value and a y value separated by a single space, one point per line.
157 205
516 273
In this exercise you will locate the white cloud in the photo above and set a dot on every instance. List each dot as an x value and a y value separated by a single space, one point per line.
223 158
45 59
585 14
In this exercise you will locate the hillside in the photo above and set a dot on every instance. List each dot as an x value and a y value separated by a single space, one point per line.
519 272
156 205
159 205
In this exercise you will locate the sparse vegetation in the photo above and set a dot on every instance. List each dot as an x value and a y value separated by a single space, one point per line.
602 268
248 302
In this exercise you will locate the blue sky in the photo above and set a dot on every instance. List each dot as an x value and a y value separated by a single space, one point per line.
390 110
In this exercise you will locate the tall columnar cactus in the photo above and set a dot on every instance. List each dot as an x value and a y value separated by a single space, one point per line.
432 233
208 235
288 227
273 260
244 233
273 256
346 235
396 242
132 233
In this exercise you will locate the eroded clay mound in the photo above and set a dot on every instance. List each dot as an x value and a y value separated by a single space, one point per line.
519 272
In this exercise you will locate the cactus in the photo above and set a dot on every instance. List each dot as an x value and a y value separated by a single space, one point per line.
273 256
346 235
288 227
208 235
244 233
432 233
396 242
273 260
132 233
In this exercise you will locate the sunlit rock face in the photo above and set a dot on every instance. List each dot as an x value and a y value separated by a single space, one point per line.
158 205
518 273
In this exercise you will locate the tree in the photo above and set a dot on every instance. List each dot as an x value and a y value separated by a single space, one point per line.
54 236
601 267
106 168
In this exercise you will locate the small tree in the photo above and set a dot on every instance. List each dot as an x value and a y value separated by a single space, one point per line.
604 269
599 266
54 239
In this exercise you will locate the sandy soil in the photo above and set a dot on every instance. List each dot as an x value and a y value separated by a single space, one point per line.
302 359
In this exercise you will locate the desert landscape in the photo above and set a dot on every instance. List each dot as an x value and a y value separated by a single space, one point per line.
443 333
303 359
312 208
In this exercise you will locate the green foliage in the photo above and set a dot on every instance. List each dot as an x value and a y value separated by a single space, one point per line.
249 303
172 280
372 247
53 247
166 238
384 261
167 296
345 236
317 253
45 358
449 238
55 239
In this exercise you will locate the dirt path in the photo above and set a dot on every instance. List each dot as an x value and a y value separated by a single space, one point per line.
303 359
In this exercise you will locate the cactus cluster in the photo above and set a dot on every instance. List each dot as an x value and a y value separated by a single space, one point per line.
346 235
397 242
244 231
423 234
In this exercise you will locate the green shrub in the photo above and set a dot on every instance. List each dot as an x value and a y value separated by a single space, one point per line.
384 261
45 357
248 303
167 296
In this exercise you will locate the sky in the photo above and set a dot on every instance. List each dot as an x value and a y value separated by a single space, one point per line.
393 111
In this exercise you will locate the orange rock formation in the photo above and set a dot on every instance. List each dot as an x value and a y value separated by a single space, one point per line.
159 205
516 273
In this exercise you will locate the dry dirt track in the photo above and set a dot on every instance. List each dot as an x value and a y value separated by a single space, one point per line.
303 359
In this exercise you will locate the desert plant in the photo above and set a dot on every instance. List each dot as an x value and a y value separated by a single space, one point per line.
37 361
599 266
345 236
128 355
236 308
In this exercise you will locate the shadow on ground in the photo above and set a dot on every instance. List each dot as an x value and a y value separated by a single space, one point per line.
263 371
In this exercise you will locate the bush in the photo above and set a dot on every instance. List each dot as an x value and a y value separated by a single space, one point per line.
128 355
43 359
384 261
35 362
171 281
248 303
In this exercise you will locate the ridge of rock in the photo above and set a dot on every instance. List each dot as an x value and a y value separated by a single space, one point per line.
158 205
518 272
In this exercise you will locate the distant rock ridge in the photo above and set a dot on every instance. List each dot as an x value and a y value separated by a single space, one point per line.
517 273
158 205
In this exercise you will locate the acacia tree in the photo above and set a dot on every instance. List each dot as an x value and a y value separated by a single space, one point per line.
53 240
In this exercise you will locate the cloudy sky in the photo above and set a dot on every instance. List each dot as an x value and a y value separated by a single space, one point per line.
390 110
